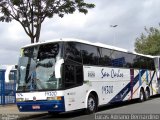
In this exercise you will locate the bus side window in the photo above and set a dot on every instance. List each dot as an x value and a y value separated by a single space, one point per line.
89 54
105 58
69 76
73 76
140 62
150 64
72 51
128 60
79 75
118 59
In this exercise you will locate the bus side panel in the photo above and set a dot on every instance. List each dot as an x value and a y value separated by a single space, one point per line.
111 84
148 78
134 86
151 77
75 97
142 79
153 83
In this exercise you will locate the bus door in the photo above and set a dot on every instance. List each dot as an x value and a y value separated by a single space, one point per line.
73 78
157 68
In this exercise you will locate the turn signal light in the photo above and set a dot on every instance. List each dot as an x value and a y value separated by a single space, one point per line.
54 98
59 98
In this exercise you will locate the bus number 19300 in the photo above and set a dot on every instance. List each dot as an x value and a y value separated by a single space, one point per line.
107 89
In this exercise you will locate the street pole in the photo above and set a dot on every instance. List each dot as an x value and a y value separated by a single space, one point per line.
114 40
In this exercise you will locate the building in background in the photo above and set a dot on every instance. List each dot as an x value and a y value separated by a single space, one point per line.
7 84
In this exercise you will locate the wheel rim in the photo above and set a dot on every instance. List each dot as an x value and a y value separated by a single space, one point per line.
147 94
91 104
141 97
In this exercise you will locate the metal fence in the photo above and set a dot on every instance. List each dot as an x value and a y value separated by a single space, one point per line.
7 89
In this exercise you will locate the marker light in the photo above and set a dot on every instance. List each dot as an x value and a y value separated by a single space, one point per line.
54 98
19 99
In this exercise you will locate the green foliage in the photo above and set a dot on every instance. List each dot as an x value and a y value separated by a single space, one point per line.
149 43
31 13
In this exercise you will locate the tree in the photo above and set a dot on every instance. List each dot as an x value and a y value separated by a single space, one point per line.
149 43
31 13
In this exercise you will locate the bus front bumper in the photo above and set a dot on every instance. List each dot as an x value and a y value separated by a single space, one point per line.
37 106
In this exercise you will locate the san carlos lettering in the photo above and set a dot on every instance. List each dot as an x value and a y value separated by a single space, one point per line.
113 73
104 74
116 73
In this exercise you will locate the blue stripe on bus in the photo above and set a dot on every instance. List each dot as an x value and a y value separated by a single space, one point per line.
147 72
150 83
123 93
132 79
140 78
152 78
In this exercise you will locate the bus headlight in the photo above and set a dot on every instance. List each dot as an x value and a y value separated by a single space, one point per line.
54 98
19 99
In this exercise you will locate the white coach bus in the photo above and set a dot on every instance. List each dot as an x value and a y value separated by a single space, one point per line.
69 74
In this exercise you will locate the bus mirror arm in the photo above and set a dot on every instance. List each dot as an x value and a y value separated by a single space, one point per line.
16 66
58 68
9 68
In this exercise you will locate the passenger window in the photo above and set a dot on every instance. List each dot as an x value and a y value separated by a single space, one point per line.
48 51
89 54
105 58
73 52
118 60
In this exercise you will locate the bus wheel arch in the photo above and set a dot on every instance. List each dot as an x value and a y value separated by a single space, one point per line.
92 102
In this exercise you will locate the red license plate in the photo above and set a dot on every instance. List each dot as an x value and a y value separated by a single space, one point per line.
35 107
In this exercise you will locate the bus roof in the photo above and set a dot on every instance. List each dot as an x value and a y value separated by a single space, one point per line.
87 42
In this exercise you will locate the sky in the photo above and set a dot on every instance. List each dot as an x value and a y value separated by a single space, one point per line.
131 16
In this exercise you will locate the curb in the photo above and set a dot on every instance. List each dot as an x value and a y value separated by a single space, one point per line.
20 116
8 105
31 116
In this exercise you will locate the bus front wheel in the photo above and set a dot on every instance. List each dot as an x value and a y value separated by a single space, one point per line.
91 104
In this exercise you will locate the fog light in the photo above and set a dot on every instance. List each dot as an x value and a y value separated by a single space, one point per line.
50 98
54 98
19 99
20 107
55 106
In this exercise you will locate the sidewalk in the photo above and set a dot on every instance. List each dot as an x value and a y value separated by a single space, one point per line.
13 110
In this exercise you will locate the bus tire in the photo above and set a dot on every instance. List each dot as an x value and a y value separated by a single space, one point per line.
147 94
142 96
91 105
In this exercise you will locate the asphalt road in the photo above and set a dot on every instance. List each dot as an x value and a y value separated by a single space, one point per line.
151 106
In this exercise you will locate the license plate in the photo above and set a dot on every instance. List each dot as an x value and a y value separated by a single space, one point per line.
35 107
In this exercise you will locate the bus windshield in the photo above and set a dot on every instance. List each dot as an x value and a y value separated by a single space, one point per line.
36 67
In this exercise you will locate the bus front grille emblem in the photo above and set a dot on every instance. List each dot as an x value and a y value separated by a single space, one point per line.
34 98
